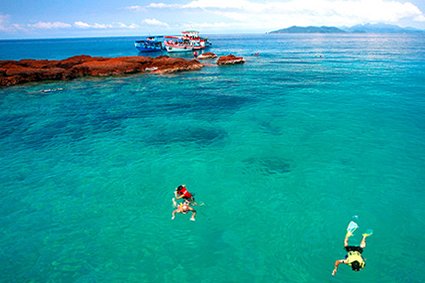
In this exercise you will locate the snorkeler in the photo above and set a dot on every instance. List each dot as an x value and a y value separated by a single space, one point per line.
182 192
354 254
184 208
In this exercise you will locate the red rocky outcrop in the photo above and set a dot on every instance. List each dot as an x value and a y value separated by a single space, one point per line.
230 60
24 71
207 55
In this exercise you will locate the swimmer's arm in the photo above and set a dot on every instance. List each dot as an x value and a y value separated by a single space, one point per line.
338 262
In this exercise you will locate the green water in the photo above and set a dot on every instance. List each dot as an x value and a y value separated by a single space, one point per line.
283 151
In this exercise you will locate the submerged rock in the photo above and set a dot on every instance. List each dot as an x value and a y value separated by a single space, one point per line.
230 60
28 70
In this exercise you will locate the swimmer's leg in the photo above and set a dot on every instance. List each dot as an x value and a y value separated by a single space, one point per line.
173 214
347 236
363 242
193 214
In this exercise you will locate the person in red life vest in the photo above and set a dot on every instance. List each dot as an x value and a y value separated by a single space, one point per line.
182 192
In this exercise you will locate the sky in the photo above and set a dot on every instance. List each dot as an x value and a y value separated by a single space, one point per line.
95 18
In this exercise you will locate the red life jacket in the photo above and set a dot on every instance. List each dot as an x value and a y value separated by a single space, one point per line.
185 193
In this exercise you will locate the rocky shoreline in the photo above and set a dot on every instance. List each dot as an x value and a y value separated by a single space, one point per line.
29 70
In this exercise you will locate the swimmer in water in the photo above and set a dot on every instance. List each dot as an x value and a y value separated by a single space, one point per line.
354 257
184 208
182 192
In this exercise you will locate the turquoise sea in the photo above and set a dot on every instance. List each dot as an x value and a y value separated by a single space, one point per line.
284 151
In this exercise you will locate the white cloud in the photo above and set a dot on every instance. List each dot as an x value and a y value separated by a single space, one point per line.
155 22
3 22
226 5
206 25
81 24
17 27
5 26
420 18
101 26
270 14
129 26
163 5
243 15
49 25
84 25
208 4
135 8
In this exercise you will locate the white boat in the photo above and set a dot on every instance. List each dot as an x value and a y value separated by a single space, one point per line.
177 44
193 37
188 41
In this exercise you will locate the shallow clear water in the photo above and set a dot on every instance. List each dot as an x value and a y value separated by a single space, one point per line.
283 150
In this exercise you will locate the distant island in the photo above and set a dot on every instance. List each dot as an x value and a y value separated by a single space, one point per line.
381 28
310 29
366 28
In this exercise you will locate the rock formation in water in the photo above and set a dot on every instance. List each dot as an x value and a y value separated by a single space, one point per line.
207 55
27 70
230 60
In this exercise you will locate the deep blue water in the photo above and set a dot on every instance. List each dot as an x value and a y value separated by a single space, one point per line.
284 151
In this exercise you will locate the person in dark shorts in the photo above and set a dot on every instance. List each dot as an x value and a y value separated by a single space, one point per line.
183 208
354 257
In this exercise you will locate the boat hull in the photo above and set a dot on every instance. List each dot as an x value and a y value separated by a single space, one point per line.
175 49
142 49
148 45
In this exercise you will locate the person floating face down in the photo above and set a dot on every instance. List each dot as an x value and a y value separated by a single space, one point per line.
354 257
184 208
182 192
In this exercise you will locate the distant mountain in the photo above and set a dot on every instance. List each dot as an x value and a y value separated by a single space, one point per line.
367 28
380 28
310 29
